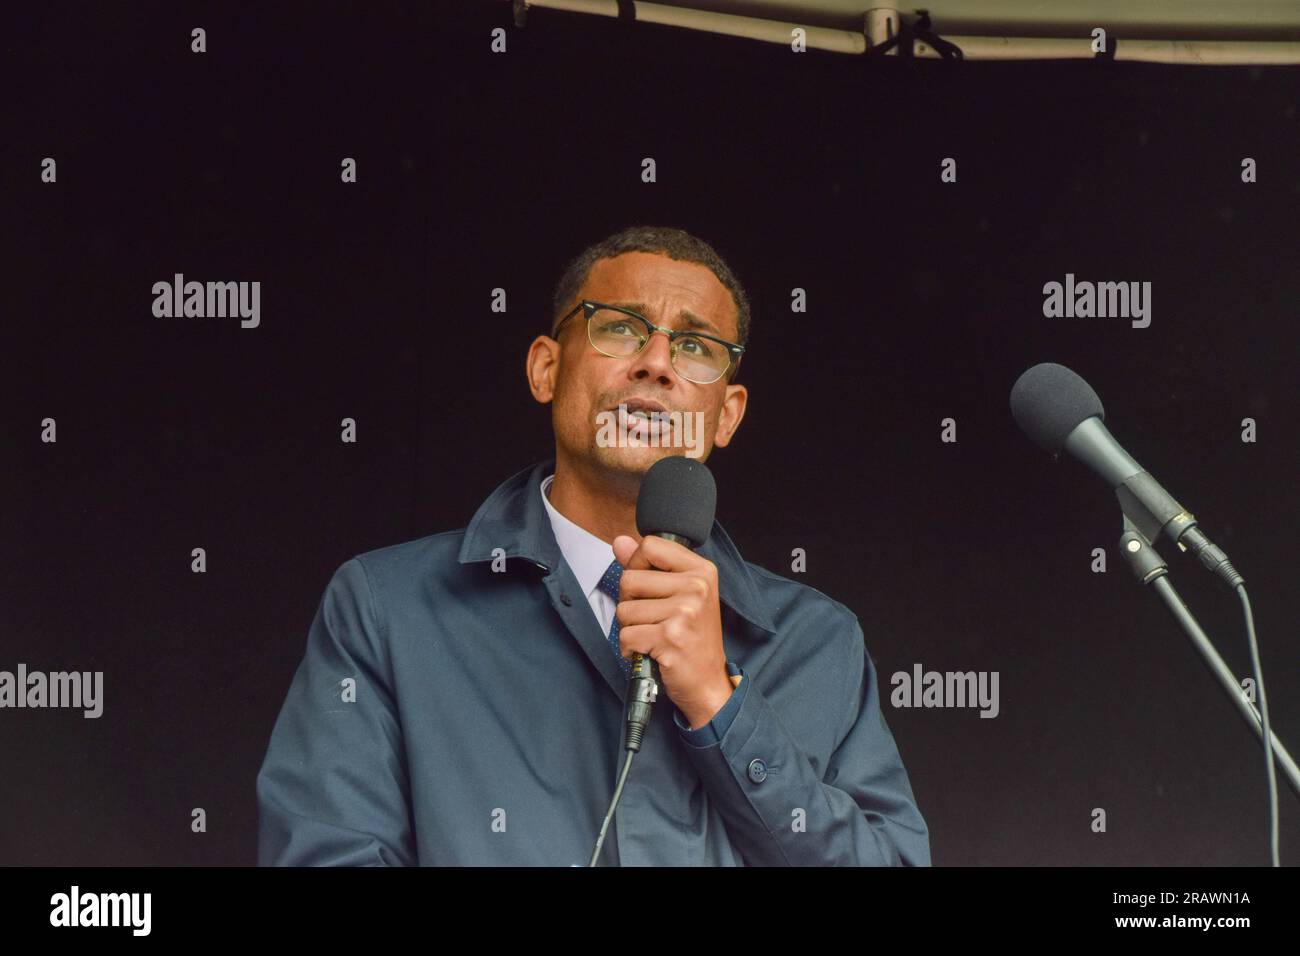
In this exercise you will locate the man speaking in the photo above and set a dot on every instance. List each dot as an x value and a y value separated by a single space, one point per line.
461 699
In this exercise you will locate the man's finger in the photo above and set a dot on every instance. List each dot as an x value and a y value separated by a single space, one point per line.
645 612
653 583
662 554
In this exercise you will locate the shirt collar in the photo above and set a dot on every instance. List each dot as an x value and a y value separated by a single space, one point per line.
588 556
515 519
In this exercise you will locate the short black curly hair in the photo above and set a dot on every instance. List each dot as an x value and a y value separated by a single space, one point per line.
663 240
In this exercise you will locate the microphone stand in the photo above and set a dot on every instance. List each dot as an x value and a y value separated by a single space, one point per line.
1150 568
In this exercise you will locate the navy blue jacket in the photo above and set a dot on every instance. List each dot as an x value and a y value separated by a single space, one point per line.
458 705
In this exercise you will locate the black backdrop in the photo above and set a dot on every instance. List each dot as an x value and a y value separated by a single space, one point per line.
480 170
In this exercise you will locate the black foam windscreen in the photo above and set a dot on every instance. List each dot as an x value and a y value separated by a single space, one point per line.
1048 402
678 496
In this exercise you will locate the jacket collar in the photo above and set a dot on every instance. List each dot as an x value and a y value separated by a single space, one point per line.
514 519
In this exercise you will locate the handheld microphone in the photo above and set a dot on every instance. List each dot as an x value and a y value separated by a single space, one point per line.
1060 411
677 501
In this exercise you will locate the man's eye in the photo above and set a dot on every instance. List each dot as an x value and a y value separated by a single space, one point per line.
696 347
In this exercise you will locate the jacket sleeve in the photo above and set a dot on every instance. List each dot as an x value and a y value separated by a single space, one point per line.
333 788
714 730
780 812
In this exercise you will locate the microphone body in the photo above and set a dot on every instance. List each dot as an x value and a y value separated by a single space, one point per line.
1093 444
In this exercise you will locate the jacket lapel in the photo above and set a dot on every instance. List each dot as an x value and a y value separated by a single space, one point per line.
584 627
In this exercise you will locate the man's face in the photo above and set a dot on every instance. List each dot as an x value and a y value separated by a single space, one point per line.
587 386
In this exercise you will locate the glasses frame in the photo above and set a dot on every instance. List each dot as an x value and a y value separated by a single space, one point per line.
590 307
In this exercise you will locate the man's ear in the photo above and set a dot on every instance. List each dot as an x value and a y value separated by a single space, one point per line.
541 367
733 410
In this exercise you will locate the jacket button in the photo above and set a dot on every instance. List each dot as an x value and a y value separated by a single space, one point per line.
564 599
757 770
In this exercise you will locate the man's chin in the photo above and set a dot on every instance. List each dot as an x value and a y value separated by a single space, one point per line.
631 460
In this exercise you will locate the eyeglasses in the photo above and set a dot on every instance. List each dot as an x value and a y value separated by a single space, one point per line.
620 333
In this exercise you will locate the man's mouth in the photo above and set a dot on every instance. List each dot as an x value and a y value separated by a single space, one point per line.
644 417
642 406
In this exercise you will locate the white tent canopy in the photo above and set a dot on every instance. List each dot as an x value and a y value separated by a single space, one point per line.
1201 32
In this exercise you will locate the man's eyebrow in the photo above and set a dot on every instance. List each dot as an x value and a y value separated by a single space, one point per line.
692 320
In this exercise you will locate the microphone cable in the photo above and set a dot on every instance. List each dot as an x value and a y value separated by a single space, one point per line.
643 690
1263 716
609 815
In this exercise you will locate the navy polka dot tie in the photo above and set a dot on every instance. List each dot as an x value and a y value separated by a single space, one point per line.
609 582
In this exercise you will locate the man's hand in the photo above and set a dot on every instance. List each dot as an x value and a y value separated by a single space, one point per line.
669 610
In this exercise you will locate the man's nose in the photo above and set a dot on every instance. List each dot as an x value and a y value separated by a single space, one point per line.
656 359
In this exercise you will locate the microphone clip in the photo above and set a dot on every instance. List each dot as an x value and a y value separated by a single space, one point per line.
1150 511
